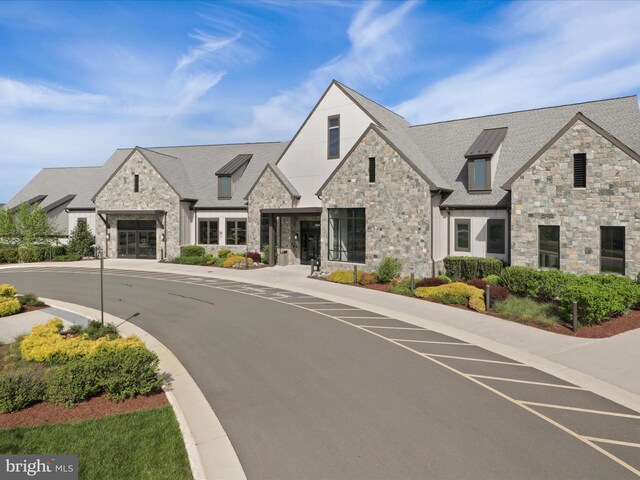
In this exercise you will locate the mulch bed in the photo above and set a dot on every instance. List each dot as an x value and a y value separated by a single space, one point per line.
46 413
28 308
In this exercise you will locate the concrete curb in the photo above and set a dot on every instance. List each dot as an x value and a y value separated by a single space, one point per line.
211 455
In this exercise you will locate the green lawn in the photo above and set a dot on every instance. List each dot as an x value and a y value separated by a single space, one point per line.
143 445
526 310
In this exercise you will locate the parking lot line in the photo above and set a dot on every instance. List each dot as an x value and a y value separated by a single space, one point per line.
429 341
390 328
613 442
542 384
471 359
576 409
311 303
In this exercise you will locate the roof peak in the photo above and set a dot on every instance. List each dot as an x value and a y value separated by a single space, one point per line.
337 82
524 110
204 145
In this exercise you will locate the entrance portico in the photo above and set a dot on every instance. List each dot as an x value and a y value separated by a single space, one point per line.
137 234
295 232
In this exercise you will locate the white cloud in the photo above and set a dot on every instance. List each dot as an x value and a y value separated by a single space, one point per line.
551 53
195 86
208 44
21 95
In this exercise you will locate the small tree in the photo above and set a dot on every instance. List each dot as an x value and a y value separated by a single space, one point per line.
8 232
80 239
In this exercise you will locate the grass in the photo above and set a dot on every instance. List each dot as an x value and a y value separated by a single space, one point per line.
526 310
146 444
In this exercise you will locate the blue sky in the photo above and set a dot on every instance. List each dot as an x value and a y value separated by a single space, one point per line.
78 80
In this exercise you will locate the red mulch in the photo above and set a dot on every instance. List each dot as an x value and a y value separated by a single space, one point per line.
28 308
46 413
381 287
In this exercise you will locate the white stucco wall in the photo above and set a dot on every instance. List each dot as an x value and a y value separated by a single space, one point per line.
478 232
221 216
73 217
305 163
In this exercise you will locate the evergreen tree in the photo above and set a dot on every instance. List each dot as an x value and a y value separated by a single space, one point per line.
80 239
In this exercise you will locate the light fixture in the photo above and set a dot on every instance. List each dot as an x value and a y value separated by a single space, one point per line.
108 236
295 236
162 237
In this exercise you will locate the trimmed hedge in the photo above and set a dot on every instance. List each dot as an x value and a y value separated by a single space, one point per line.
389 269
552 282
343 276
229 262
467 268
430 282
521 281
453 293
188 260
224 253
9 306
192 251
19 389
9 255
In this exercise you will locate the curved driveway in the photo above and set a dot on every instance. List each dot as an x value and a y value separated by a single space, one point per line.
307 388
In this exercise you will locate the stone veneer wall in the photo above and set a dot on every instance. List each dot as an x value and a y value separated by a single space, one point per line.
269 192
154 194
544 195
397 207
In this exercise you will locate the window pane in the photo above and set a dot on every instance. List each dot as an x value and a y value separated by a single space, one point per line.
334 142
202 236
549 246
334 122
241 229
462 236
213 232
224 187
231 232
264 230
495 236
480 174
347 235
612 250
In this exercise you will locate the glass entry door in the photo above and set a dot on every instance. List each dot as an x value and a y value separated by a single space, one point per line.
137 239
309 241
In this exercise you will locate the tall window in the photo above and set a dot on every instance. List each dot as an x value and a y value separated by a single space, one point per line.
136 183
264 230
580 170
224 187
612 250
372 170
480 174
495 236
236 232
463 236
347 235
208 232
334 137
549 246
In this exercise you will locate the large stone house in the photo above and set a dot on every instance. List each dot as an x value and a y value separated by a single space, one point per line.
555 187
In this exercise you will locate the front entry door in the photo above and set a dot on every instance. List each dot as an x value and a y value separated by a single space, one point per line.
137 239
310 241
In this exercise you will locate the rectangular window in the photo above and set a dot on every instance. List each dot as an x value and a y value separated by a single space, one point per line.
612 250
495 236
208 232
463 235
136 183
549 246
334 137
372 170
580 170
224 187
264 230
236 232
347 235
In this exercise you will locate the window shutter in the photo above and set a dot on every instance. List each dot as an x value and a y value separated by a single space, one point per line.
372 170
580 170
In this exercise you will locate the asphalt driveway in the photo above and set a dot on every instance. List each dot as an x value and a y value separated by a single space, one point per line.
307 388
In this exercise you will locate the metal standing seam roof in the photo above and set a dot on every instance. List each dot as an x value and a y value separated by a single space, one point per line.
235 164
487 143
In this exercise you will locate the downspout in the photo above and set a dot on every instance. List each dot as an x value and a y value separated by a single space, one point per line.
195 226
448 232
509 235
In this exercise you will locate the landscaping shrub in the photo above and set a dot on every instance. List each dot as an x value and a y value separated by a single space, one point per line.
496 293
343 276
527 310
75 329
9 306
188 260
19 389
80 240
9 255
95 330
492 279
58 250
474 297
209 259
389 268
31 253
430 282
444 278
235 260
551 283
521 281
128 372
71 257
45 344
30 300
7 290
255 256
218 262
466 268
366 278
192 251
224 253
402 287
72 383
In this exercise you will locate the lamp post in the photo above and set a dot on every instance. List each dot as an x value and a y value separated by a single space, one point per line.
101 288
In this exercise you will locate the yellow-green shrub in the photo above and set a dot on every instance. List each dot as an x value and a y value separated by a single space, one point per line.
7 290
234 260
367 278
473 295
9 306
45 344
343 276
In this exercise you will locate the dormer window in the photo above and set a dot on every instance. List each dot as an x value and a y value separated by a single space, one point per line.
231 173
480 156
224 187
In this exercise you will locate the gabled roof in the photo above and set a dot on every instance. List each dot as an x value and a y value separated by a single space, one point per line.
30 202
61 201
280 176
235 164
487 143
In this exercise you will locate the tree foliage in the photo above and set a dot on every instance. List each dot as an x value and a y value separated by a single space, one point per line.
80 239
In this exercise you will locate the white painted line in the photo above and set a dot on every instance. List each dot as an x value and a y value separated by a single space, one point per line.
613 442
430 341
471 359
370 318
576 409
390 328
334 309
542 384
310 303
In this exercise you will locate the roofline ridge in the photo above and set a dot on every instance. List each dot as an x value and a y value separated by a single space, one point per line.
372 101
522 111
207 145
74 166
158 153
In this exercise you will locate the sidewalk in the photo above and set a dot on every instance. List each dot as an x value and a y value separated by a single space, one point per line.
608 366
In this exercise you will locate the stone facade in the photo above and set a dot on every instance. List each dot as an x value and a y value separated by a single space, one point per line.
397 207
544 195
269 192
154 194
